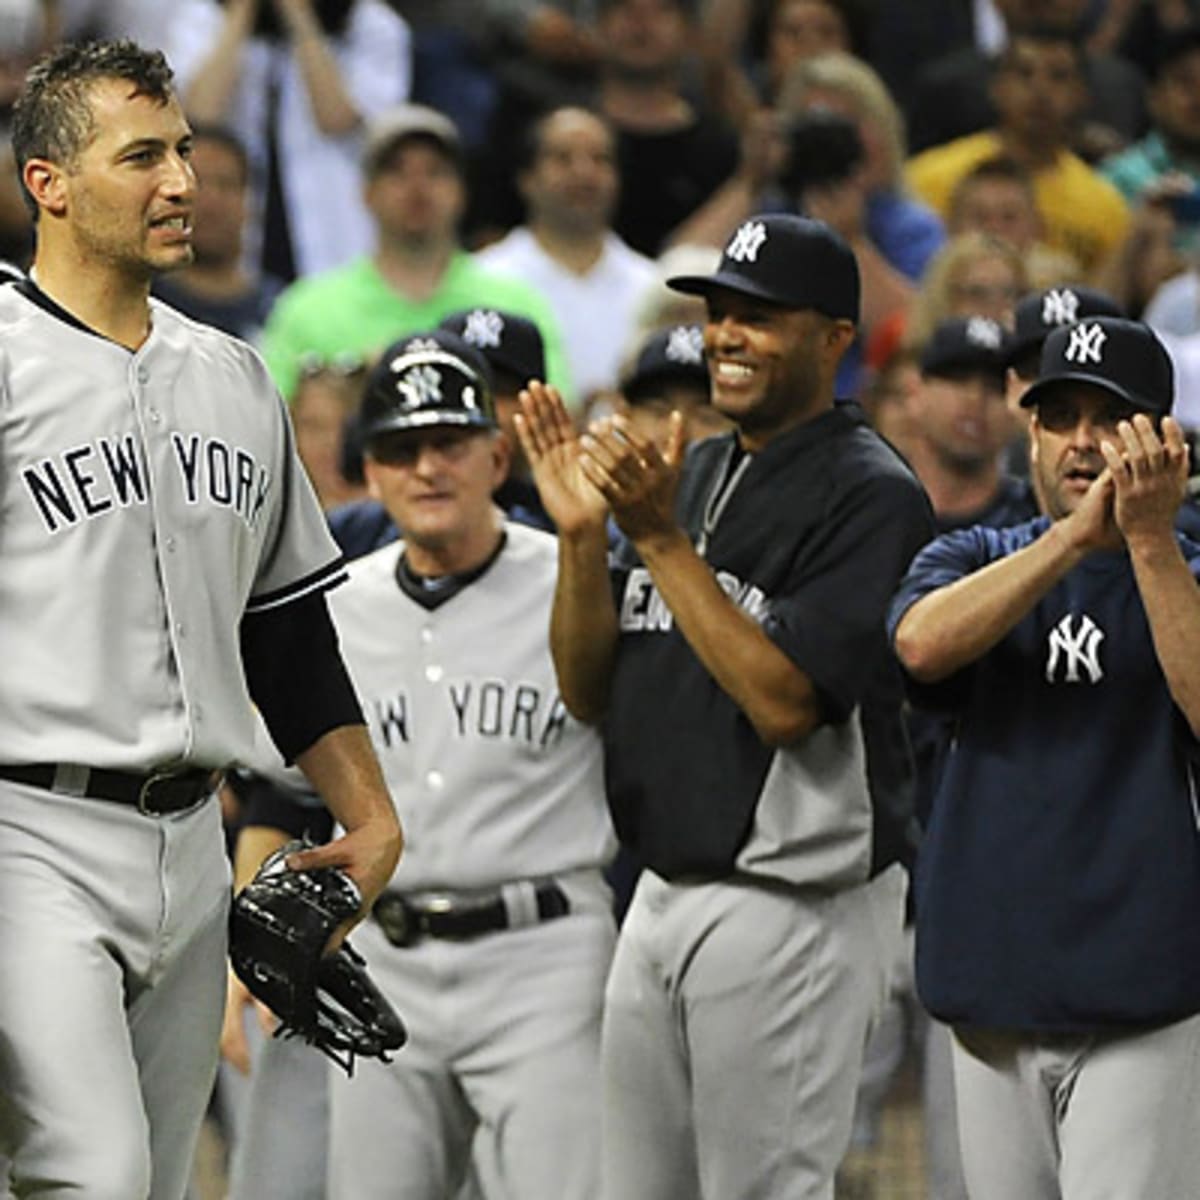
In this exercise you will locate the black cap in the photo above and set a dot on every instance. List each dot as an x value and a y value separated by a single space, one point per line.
510 343
791 261
673 355
424 380
1039 313
966 344
1123 357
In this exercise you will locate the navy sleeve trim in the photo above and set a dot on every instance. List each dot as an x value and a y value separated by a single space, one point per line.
295 673
321 580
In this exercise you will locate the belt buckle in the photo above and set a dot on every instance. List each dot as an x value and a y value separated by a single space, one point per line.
396 921
149 787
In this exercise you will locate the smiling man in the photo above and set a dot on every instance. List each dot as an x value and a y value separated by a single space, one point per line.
751 712
164 560
1060 874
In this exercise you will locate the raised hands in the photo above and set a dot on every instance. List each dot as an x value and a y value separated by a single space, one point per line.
555 453
1149 474
636 479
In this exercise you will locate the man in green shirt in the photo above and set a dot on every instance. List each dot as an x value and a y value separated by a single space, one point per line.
419 273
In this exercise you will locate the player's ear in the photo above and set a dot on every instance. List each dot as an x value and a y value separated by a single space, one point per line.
46 183
502 452
371 474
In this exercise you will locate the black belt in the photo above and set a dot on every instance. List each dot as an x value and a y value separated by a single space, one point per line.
158 793
404 922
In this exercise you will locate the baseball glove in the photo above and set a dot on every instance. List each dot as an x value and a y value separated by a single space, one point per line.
279 926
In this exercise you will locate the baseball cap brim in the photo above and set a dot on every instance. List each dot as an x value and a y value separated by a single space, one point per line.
1040 389
705 285
426 419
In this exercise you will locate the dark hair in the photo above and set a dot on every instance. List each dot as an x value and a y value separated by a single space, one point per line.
1045 35
858 17
52 118
530 146
224 136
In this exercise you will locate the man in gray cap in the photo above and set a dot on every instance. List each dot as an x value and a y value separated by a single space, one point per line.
746 695
1060 871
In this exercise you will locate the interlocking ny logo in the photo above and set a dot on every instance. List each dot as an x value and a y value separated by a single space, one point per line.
484 328
747 242
1085 344
1060 306
983 331
685 344
420 385
1078 649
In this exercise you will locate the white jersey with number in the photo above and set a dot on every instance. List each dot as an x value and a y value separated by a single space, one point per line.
147 500
492 778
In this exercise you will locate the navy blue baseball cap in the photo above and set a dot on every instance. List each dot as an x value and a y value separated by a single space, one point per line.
966 344
672 355
424 380
1124 357
510 343
1040 313
794 262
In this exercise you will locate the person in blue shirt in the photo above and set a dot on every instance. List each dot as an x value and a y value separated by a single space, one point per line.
1059 880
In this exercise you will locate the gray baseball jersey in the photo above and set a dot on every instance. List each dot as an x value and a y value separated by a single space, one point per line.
464 711
147 500
498 789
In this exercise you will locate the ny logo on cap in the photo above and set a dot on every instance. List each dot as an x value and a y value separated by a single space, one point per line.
685 344
420 385
484 328
1060 306
983 331
747 242
1085 343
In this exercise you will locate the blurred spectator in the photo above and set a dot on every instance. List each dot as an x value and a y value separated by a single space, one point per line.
1038 90
296 79
671 153
217 289
1173 144
905 231
672 149
323 416
973 275
27 27
769 37
952 97
997 197
568 251
415 192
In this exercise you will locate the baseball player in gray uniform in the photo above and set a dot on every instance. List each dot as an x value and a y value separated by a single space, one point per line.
495 934
163 562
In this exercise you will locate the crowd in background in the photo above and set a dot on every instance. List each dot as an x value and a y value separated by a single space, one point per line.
366 169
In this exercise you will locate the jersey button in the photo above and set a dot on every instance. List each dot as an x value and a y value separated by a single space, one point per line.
143 375
426 635
433 672
170 545
434 780
155 416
